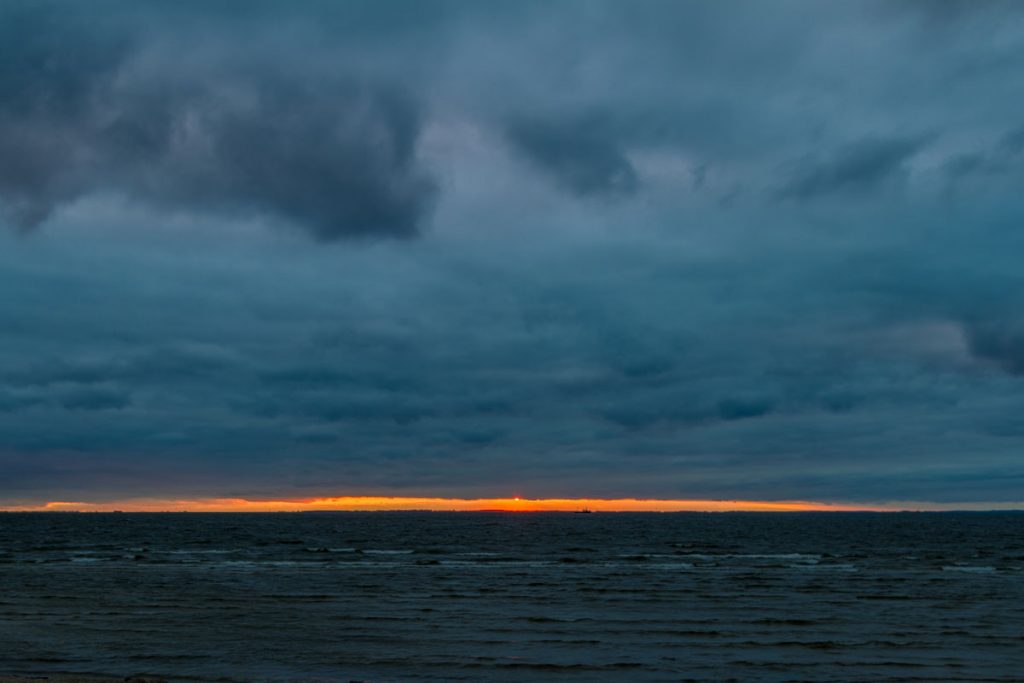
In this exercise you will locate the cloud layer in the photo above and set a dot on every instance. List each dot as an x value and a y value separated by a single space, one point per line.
662 249
85 110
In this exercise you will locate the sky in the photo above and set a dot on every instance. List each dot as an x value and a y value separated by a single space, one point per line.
581 249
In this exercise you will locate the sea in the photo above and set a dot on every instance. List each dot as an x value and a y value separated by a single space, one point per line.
497 596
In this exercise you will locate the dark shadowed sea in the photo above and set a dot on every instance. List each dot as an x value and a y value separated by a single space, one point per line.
515 596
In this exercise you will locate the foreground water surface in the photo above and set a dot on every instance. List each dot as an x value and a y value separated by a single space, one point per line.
274 598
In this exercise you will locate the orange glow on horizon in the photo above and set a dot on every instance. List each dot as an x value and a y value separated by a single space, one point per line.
515 504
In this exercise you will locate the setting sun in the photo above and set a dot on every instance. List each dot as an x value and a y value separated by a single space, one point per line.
514 504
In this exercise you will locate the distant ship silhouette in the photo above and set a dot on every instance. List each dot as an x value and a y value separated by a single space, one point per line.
584 511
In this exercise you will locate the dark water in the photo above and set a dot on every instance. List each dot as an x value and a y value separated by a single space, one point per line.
515 597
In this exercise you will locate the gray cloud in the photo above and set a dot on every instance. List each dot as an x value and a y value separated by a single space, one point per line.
95 399
1003 158
583 159
744 408
995 343
859 167
52 73
84 112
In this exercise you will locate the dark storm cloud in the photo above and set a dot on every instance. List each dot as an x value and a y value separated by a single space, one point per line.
159 364
11 401
744 408
998 344
583 159
52 69
315 115
856 168
82 111
95 399
1003 158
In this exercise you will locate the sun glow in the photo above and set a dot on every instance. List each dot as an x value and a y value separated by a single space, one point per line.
514 504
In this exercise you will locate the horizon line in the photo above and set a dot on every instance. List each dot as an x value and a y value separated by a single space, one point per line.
510 504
